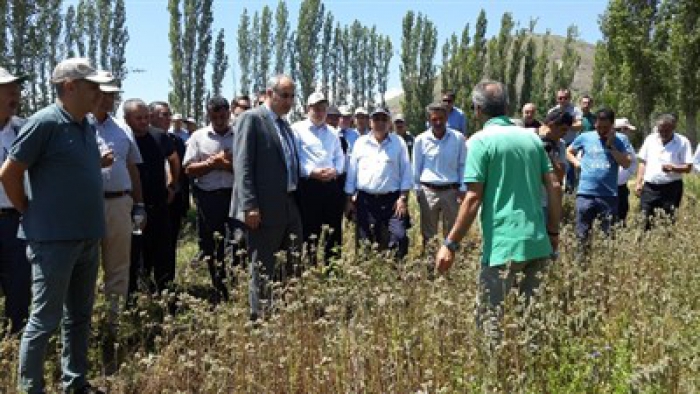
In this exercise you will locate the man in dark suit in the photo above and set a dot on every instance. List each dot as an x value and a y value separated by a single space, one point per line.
266 174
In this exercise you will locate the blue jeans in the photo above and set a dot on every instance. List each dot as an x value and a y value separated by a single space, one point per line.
63 291
15 272
590 208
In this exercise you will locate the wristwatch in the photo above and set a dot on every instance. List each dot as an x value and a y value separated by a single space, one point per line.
451 245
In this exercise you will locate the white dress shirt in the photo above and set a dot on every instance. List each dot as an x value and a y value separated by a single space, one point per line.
317 147
379 168
203 144
655 154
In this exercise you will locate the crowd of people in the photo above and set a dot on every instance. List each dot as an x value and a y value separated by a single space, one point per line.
82 188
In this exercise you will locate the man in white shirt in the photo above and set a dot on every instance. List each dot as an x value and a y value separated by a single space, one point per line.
623 127
663 159
208 162
321 161
379 179
15 271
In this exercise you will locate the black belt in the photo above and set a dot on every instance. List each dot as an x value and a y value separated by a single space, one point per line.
8 211
117 194
435 186
224 190
377 195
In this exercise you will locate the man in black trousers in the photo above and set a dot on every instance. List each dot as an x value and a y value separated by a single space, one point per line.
208 162
321 161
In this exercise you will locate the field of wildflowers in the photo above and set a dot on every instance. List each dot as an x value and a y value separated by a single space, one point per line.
627 321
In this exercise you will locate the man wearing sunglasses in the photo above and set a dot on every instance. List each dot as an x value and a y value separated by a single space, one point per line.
266 176
455 116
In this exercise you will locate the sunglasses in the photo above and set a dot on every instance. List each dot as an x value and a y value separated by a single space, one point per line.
561 98
447 101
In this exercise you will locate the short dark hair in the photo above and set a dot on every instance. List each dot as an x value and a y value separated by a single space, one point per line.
241 97
432 107
217 103
605 114
585 96
155 104
449 93
559 117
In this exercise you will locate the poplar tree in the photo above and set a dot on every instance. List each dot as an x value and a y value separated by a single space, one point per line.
220 63
281 36
418 46
244 48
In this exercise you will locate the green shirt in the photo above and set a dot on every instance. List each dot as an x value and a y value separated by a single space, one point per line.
587 122
509 161
64 183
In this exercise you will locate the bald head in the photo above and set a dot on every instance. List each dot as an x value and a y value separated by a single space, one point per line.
280 94
529 111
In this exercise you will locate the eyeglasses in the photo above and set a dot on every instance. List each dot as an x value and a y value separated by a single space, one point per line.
380 119
244 107
286 96
165 114
562 98
447 101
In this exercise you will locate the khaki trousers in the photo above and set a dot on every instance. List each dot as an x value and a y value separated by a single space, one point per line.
434 205
116 246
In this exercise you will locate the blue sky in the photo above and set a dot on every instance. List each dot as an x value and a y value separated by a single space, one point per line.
149 48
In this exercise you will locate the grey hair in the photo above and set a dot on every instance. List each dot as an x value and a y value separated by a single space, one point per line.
133 104
275 80
491 97
666 119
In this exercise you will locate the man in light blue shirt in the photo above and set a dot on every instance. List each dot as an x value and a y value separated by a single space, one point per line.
455 116
438 164
321 161
379 178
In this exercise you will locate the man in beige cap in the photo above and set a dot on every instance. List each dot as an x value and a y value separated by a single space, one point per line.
321 161
62 222
124 208
362 120
15 272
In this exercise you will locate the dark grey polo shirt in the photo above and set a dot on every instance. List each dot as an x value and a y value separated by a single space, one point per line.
64 177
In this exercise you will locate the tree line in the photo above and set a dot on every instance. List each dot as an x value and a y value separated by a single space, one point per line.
36 35
645 63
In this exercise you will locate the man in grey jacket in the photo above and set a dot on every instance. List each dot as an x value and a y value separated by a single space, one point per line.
266 175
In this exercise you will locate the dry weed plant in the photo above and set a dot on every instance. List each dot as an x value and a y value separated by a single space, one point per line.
625 321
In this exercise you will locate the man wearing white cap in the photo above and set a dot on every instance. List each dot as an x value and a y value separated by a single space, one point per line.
15 272
122 199
622 128
378 182
63 221
362 121
321 161
663 159
177 129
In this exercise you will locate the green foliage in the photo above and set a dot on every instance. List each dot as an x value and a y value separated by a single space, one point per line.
177 93
418 72
528 65
565 70
220 63
625 322
281 36
244 47
307 44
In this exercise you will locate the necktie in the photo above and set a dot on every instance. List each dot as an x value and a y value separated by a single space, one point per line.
288 141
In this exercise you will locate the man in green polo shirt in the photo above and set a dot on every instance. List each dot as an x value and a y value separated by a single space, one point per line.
63 220
505 170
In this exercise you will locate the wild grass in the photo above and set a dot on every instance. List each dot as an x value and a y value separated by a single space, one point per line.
628 321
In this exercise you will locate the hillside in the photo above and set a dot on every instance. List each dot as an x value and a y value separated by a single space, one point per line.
582 80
